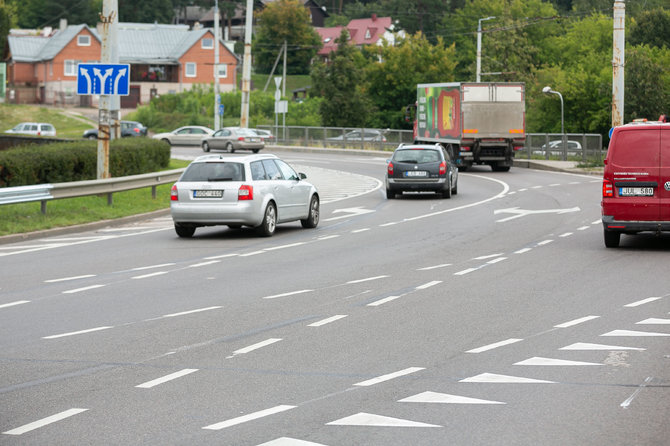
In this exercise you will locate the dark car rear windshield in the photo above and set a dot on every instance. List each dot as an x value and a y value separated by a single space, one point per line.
214 172
416 156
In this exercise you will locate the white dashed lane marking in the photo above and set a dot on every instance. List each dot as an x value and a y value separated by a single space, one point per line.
166 378
249 417
328 320
44 422
494 345
387 377
576 321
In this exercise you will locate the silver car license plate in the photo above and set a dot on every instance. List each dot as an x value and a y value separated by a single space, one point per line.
207 193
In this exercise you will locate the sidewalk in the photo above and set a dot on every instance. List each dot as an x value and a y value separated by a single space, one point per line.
558 166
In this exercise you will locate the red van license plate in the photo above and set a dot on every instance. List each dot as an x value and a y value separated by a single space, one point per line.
636 191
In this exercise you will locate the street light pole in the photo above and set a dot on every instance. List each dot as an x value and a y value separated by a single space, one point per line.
548 90
217 97
479 47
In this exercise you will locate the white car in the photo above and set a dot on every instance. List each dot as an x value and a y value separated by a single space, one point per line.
33 128
190 135
258 191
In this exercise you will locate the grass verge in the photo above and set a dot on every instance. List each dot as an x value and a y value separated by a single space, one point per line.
27 217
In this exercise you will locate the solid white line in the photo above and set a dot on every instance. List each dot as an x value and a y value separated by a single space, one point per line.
92 287
256 346
142 268
249 417
145 276
196 265
11 304
642 302
429 284
382 301
389 376
328 320
544 242
523 250
44 421
576 321
499 259
292 245
428 268
222 256
90 330
191 312
166 378
492 346
69 278
367 279
292 293
465 271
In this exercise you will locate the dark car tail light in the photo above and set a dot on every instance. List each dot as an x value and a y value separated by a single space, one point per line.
390 169
245 192
443 168
174 194
608 189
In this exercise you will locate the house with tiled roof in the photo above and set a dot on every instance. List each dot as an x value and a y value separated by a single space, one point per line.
372 31
163 59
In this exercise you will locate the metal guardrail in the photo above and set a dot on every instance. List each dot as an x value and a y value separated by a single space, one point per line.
45 192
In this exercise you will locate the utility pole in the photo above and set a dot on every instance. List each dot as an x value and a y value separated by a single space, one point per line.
479 47
246 66
109 14
217 95
618 62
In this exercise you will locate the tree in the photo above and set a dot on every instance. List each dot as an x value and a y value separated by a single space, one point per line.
340 83
391 83
647 82
651 27
146 11
42 13
285 20
7 21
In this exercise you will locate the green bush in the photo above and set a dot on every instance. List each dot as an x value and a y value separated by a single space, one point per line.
78 160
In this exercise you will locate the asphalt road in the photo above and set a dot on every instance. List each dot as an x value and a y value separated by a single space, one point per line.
493 317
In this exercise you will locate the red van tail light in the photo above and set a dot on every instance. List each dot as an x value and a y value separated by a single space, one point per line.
240 138
245 192
174 193
608 188
443 168
390 169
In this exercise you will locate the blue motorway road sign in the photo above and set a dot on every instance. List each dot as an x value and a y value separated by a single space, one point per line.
105 79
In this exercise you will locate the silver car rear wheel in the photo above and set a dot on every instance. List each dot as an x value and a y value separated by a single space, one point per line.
269 224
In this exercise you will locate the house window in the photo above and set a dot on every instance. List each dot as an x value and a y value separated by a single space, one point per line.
83 40
207 43
367 34
70 67
223 71
190 69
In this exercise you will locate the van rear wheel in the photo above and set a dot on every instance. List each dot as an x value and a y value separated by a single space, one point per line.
611 238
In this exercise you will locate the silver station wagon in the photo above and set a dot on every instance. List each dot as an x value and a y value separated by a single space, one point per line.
259 191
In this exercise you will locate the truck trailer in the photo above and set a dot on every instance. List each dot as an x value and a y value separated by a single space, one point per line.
479 123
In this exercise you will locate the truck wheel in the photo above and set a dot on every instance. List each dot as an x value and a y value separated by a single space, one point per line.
462 168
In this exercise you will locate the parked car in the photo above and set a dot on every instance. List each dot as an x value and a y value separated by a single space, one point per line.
188 135
556 147
259 191
636 181
268 137
231 139
356 135
33 128
128 129
421 167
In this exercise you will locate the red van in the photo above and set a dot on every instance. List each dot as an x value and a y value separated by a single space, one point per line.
636 182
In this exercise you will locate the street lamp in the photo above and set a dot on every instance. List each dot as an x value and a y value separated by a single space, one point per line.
548 90
479 47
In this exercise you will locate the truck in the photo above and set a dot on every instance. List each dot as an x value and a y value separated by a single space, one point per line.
478 123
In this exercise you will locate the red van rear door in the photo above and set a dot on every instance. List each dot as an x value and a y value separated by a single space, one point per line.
635 167
664 182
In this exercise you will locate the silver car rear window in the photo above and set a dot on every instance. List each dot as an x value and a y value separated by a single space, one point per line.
214 172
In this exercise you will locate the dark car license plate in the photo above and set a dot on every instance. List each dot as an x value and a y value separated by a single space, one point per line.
207 193
416 173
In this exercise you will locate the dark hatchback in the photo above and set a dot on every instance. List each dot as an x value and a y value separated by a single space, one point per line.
128 128
421 168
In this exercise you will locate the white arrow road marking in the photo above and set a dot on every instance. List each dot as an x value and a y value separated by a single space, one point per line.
551 362
518 213
503 379
166 378
492 346
370 419
654 320
587 346
443 398
389 376
286 441
250 417
44 421
351 212
633 333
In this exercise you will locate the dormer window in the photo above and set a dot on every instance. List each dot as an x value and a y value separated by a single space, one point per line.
367 34
83 40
